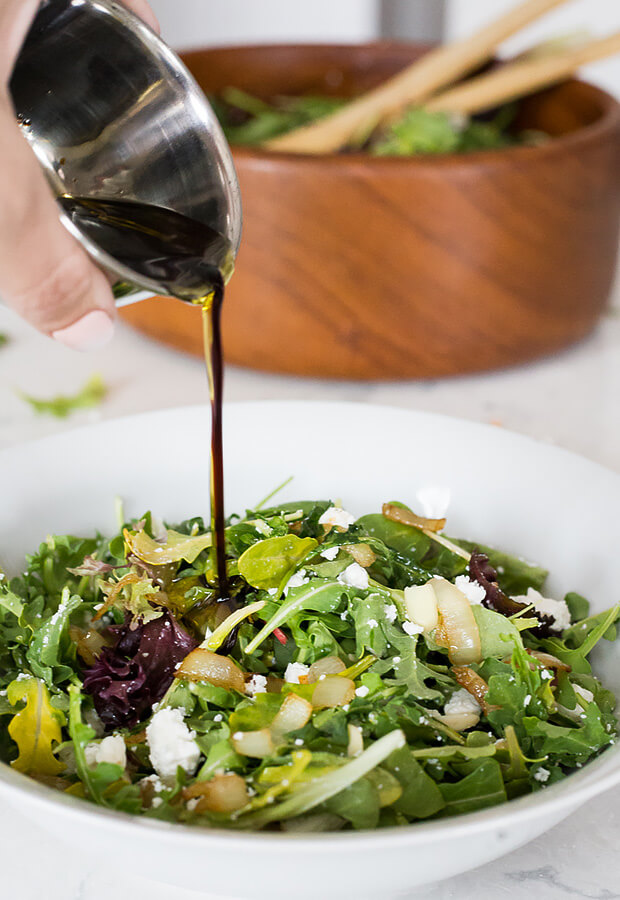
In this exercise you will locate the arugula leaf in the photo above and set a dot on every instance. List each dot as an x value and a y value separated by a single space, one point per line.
92 394
481 788
50 648
319 595
421 797
98 779
498 635
269 563
358 804
320 789
35 728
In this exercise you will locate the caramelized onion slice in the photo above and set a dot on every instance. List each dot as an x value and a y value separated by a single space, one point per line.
203 665
356 740
407 517
421 604
329 665
459 721
457 628
362 554
224 793
474 683
253 743
335 690
549 661
294 713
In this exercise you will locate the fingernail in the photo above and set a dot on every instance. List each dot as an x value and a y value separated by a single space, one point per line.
91 332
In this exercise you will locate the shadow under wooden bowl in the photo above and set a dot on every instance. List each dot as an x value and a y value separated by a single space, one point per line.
364 267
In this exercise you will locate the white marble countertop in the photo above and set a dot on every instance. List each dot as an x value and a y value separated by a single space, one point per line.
572 399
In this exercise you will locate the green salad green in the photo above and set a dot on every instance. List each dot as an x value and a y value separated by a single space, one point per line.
249 120
362 673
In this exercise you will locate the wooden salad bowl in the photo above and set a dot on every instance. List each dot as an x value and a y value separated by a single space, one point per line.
364 267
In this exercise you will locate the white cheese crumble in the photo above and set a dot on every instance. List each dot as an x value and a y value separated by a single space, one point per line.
335 517
256 685
330 553
218 717
434 500
542 774
474 592
548 607
355 576
171 743
294 671
587 695
297 579
462 702
372 623
390 613
110 750
362 691
411 629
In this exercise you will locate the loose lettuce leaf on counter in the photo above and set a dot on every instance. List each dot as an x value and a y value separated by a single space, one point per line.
92 394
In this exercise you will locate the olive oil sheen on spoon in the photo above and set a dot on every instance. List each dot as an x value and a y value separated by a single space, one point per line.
189 259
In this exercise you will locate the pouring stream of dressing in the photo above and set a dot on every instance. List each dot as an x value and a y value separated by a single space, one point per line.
190 260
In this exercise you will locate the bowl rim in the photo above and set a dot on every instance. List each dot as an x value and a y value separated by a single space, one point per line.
570 143
561 797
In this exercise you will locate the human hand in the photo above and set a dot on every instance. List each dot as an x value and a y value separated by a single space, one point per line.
45 275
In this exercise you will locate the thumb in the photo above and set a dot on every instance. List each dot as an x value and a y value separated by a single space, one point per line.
44 273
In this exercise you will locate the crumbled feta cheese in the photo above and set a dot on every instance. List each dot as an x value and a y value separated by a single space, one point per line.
110 750
527 699
192 804
330 553
434 500
390 612
396 660
256 685
171 743
548 607
299 742
272 591
587 695
474 592
411 629
355 576
372 623
156 801
297 579
335 517
294 671
218 717
155 780
461 702
362 691
542 774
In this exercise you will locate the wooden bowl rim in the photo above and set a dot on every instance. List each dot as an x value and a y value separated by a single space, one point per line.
605 125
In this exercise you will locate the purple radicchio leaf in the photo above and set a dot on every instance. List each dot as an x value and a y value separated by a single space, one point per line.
128 678
481 570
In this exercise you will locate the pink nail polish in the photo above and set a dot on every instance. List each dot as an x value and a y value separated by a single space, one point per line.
90 332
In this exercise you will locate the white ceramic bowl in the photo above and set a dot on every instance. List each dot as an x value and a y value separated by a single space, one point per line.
532 499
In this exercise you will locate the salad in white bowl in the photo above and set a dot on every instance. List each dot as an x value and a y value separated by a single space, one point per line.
456 697
361 673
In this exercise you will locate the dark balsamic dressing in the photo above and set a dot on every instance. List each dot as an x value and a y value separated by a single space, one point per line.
188 260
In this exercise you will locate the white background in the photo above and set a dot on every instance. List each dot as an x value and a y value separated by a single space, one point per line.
197 22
